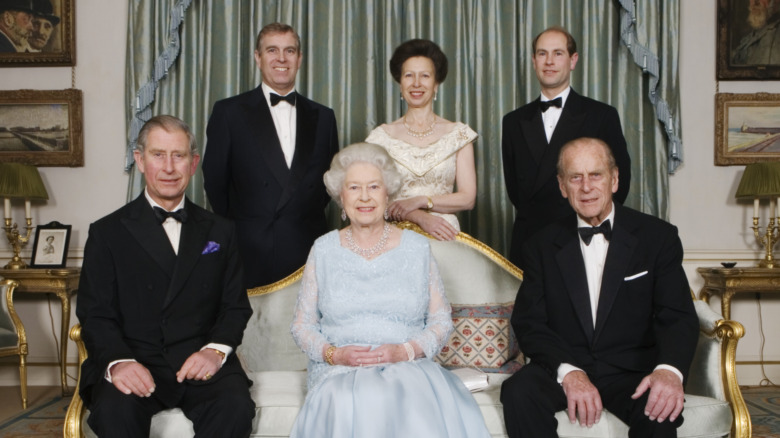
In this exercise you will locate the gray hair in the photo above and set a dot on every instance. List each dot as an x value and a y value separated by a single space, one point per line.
361 153
582 141
168 124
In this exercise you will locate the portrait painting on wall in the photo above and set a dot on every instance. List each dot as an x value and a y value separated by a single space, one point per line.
37 32
747 128
50 249
42 128
748 39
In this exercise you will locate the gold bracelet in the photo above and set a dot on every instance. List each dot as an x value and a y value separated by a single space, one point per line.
329 355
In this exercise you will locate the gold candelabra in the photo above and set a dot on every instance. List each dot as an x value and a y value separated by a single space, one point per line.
768 240
17 241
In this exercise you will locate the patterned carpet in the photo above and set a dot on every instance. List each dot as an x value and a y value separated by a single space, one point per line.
764 406
43 420
46 419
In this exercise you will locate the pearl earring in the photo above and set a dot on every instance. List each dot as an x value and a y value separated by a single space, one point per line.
343 215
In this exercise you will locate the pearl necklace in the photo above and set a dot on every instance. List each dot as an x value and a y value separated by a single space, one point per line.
370 252
419 134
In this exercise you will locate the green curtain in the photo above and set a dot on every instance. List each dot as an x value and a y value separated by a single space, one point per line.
346 47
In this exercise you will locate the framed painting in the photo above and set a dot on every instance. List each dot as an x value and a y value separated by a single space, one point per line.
37 33
747 128
50 249
748 40
42 127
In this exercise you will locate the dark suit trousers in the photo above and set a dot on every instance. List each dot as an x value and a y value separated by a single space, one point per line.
531 397
223 408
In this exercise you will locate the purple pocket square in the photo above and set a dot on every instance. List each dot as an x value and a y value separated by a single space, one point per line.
211 246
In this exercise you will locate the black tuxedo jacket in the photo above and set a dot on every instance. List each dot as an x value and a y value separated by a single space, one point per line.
530 162
138 300
645 315
278 211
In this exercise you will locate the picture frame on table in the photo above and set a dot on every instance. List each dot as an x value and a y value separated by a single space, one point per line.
747 128
48 39
42 127
748 40
50 249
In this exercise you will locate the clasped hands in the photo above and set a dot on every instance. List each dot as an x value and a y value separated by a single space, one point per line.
413 209
665 401
356 356
133 378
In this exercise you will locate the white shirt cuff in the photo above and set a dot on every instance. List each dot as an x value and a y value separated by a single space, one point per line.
221 347
670 368
564 369
108 368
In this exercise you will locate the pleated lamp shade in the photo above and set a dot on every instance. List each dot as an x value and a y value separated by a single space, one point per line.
760 180
21 181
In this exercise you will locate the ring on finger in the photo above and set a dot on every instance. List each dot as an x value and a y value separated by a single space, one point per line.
207 376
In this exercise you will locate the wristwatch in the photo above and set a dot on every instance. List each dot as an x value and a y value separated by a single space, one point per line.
430 203
218 353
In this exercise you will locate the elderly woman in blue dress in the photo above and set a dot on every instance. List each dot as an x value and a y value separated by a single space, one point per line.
371 315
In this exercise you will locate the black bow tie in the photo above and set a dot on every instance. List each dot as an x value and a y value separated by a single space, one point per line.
162 214
275 98
545 105
587 232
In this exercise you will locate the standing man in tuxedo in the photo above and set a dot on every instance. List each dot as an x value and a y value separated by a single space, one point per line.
162 303
604 312
266 154
534 133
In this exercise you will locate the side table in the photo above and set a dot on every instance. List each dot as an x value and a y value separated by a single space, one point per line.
63 282
728 282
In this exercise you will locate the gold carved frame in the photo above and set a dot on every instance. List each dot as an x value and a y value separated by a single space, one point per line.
58 143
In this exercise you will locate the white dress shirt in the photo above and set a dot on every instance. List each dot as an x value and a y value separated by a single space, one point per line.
553 114
285 120
171 226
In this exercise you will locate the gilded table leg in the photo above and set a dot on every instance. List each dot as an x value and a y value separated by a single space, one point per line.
704 294
65 303
725 303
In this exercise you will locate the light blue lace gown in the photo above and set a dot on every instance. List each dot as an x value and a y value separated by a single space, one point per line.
391 299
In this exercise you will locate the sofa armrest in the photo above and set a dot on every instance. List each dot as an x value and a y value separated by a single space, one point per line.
713 371
72 427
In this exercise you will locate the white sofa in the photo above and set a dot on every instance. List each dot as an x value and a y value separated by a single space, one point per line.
473 274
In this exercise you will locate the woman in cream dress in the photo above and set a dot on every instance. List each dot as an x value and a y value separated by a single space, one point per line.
434 155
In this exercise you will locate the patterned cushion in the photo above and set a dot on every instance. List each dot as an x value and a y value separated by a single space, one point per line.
483 338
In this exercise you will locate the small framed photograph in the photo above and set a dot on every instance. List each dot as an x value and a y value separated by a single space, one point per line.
50 249
748 40
42 127
747 129
37 33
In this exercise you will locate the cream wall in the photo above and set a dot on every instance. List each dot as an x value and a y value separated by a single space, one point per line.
713 227
77 195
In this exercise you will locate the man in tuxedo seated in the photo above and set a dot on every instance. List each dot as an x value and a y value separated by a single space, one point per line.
162 303
604 313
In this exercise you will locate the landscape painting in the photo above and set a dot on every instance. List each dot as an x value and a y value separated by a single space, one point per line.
43 128
747 128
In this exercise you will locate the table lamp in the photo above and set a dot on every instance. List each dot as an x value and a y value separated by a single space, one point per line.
20 181
762 180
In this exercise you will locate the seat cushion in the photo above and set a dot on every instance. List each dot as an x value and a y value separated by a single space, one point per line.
279 396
